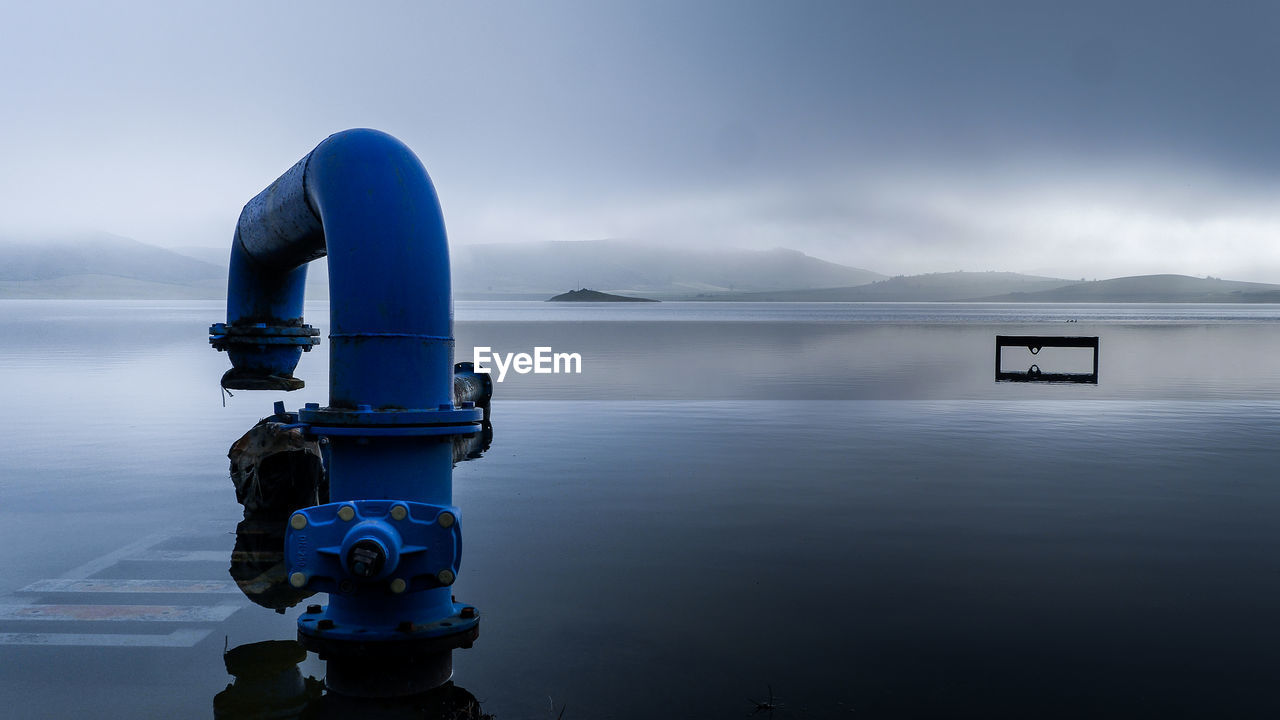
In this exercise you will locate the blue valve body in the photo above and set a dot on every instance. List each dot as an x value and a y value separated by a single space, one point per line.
417 547
421 548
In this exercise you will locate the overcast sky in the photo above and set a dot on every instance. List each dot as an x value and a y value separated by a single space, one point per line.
1065 138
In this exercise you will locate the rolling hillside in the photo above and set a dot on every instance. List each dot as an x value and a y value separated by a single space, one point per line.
933 287
633 268
100 265
1151 289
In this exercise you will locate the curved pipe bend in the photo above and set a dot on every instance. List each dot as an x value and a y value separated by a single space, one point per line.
364 199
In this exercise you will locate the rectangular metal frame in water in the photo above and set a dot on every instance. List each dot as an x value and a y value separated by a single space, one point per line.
1034 343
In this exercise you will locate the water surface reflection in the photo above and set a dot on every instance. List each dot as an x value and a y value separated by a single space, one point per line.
690 527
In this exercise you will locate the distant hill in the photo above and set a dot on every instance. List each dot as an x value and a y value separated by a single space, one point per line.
98 254
531 271
1151 289
110 287
219 256
933 287
109 266
627 267
585 295
101 265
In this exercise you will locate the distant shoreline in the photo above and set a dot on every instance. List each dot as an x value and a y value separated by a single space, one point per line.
530 297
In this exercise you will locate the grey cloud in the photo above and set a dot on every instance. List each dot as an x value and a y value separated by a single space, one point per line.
732 122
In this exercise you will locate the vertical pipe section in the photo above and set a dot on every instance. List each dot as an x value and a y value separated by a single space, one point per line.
391 305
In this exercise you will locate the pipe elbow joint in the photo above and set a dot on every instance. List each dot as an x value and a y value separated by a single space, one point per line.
362 198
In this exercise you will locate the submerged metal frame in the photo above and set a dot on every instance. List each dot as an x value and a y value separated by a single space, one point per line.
1034 343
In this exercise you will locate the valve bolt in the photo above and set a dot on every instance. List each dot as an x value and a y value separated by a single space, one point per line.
468 613
397 586
346 513
366 558
399 512
313 609
445 577
446 519
298 579
298 521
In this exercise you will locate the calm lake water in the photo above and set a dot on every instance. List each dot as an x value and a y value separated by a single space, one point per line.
832 503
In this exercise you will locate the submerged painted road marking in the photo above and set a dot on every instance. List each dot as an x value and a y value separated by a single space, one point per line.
120 613
176 639
218 556
79 581
97 565
192 587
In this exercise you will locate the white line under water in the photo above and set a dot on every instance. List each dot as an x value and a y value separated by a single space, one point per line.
120 613
176 639
183 587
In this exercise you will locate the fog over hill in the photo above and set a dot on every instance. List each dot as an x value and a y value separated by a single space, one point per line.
630 267
536 270
933 287
1152 289
101 265
1013 287
98 254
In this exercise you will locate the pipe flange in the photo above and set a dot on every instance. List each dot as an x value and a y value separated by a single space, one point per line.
441 634
364 421
364 416
370 431
223 336
407 639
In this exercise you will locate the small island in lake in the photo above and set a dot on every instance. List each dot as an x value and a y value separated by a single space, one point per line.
585 295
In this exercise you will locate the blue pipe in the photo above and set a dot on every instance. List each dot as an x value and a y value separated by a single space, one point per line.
387 546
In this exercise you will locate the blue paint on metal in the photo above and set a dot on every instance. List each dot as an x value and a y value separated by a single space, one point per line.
464 419
364 199
463 619
420 549
381 335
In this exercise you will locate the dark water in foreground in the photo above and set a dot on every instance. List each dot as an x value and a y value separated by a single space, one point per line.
834 502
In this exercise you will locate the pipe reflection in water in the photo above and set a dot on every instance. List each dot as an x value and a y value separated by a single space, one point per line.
257 565
471 447
269 684
447 702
